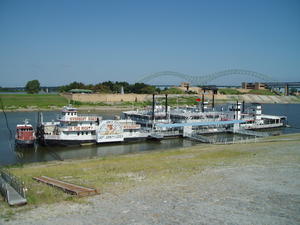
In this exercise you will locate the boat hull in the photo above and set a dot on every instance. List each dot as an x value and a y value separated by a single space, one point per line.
24 143
68 142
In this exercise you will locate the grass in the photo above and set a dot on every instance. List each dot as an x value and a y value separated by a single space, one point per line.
183 100
116 174
261 92
113 172
43 101
229 91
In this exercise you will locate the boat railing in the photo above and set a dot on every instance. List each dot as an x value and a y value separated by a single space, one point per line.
87 114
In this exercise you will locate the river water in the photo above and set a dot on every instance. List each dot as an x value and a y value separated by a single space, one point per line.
8 156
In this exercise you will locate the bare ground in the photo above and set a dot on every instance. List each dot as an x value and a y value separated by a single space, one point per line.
263 188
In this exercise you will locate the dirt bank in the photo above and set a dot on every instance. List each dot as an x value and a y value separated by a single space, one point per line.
257 183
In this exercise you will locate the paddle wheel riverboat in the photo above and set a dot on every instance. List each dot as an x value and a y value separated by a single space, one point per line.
71 128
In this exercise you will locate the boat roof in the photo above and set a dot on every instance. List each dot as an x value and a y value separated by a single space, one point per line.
20 126
272 116
206 123
69 109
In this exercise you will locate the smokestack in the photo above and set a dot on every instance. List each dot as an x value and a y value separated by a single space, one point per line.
202 103
243 109
153 106
213 101
166 106
237 107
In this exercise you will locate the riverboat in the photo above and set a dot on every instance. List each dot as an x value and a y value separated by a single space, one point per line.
249 118
25 135
157 122
71 128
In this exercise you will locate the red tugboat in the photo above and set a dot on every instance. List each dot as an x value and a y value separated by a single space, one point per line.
25 134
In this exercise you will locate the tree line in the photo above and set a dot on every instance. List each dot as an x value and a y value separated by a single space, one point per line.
115 87
33 87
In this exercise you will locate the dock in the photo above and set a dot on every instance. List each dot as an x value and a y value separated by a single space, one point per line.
67 187
251 133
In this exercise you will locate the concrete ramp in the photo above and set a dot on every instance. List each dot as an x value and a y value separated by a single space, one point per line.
12 190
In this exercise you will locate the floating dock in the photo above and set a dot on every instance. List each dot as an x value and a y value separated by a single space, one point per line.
67 187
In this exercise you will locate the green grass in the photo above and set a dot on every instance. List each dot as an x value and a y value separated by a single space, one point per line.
183 100
78 103
229 91
118 172
261 92
44 101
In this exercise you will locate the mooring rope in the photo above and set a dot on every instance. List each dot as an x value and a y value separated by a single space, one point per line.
6 122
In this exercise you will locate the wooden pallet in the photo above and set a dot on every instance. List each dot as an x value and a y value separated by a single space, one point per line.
67 187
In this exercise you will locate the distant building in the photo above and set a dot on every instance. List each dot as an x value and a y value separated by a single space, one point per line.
254 86
80 91
185 85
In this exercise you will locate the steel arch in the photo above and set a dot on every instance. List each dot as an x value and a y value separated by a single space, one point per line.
202 80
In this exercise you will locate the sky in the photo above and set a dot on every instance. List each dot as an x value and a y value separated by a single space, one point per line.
61 41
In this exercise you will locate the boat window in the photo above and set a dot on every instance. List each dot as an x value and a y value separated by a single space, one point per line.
78 133
82 133
86 133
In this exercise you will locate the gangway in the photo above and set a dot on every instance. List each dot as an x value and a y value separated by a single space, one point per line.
156 136
251 133
198 137
12 189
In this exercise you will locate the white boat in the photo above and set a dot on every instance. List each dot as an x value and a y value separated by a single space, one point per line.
120 131
250 118
71 128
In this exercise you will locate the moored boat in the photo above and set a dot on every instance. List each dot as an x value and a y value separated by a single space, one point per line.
70 129
25 134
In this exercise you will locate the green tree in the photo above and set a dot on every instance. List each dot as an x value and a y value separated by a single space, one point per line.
32 87
73 85
101 88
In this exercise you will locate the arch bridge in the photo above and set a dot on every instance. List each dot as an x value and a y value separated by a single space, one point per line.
203 80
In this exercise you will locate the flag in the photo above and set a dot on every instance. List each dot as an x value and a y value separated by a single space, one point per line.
198 100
